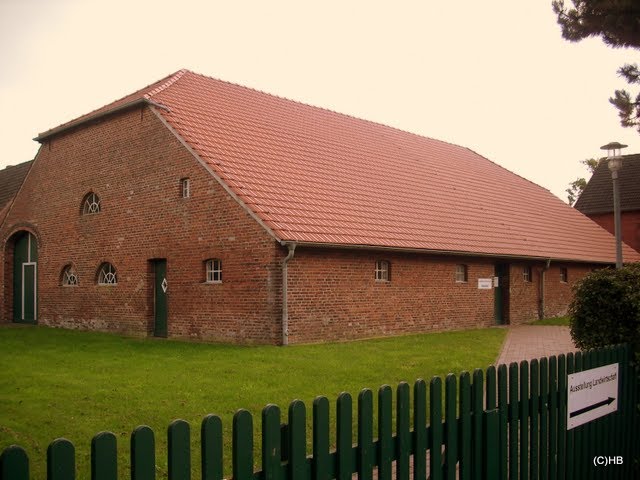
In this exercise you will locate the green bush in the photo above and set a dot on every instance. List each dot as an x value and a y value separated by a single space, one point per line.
606 308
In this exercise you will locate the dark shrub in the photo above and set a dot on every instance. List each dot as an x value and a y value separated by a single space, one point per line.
606 308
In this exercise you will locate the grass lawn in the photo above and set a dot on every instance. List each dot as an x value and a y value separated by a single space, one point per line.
56 383
562 321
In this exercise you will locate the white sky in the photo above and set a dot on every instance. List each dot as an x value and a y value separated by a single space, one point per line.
494 76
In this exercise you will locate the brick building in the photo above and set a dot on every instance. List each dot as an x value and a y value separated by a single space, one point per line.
596 201
199 208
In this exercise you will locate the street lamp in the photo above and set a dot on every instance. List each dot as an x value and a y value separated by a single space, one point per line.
614 159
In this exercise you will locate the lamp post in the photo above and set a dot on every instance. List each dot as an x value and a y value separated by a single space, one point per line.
614 159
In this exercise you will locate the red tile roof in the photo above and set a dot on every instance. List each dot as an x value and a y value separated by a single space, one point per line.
316 176
11 179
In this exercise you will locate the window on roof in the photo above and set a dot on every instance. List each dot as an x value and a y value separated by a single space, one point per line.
69 276
90 204
527 274
382 271
461 273
185 187
564 275
107 274
213 270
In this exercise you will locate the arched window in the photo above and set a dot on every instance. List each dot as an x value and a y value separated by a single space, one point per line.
90 204
69 276
107 274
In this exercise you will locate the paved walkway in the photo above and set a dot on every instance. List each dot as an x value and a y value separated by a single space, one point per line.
525 342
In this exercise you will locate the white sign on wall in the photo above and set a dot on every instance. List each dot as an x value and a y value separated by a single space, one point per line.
485 283
591 394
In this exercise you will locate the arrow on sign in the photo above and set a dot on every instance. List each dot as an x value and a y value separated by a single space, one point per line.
608 401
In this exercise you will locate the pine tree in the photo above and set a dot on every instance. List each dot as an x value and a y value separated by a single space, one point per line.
617 22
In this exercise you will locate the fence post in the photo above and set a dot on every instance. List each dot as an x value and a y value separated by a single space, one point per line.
14 464
143 454
297 441
504 420
211 448
344 440
403 429
321 457
562 417
451 423
420 430
242 450
465 427
61 460
513 421
179 450
271 443
104 457
385 434
491 444
477 391
435 420
524 420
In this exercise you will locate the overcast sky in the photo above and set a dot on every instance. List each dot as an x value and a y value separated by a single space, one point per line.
493 76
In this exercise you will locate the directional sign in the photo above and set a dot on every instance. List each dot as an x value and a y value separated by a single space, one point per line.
591 394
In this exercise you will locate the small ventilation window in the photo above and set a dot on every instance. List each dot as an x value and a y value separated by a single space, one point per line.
382 271
213 270
564 275
107 275
461 273
69 276
527 274
91 204
185 187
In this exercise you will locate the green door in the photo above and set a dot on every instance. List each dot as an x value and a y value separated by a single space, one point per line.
160 287
501 294
25 279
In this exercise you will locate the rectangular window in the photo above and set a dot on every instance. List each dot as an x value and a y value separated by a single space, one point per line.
186 187
214 271
527 274
461 273
564 275
382 271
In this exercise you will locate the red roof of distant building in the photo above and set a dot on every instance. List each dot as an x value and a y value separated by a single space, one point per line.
316 176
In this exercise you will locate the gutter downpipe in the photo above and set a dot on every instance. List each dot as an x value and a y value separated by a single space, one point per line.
542 290
285 300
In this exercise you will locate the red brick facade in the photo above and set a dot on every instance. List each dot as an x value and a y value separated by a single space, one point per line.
630 226
134 163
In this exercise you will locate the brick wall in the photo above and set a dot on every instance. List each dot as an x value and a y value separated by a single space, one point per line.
333 295
630 226
558 294
135 165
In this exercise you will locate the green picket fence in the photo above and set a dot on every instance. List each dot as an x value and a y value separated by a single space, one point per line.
505 423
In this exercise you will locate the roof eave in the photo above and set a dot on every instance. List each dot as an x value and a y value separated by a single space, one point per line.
82 120
441 252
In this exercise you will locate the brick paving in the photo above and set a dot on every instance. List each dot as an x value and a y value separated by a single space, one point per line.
525 342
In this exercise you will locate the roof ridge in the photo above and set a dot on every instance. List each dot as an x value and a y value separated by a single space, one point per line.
346 115
171 79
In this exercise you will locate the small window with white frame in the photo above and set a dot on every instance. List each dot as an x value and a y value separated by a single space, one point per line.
213 268
382 271
527 274
462 273
185 187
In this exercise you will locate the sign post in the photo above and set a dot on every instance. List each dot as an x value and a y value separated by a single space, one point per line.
591 394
